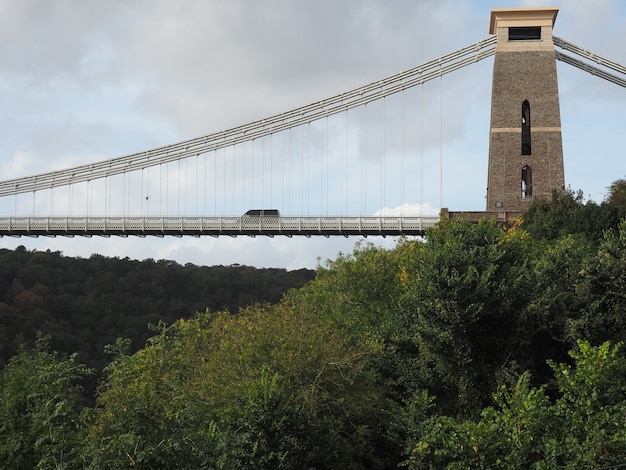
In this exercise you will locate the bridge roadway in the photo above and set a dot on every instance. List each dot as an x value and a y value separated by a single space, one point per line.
214 226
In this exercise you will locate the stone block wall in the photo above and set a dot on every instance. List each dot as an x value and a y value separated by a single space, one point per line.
524 75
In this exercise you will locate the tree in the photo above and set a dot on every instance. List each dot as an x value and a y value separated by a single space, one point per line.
583 427
466 296
554 303
145 414
42 420
566 213
67 297
602 292
617 193
270 387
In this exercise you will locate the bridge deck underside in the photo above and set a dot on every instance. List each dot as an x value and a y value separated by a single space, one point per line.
214 226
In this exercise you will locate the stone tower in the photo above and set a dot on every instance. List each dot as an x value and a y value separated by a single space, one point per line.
525 147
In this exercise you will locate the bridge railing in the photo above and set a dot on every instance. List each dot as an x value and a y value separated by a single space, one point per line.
214 226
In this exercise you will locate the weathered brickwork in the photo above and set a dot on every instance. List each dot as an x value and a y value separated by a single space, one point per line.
520 75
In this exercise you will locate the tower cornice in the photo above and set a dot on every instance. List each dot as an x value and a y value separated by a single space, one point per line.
519 17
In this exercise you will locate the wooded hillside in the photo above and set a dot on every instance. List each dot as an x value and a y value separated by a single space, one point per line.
84 304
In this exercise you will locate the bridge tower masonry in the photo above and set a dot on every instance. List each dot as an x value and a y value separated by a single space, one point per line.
525 146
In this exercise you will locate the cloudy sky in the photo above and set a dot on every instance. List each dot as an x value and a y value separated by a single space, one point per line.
83 81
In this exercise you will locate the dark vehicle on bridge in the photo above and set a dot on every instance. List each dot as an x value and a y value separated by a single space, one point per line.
262 213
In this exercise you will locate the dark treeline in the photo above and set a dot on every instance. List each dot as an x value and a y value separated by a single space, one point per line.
85 304
482 346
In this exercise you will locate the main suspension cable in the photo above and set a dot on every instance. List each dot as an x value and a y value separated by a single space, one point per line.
303 115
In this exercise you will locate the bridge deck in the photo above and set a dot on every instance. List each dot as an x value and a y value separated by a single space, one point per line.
213 226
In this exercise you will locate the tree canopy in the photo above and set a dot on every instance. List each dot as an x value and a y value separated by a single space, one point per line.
84 304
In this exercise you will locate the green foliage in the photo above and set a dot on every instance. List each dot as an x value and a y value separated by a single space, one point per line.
582 428
602 290
42 422
554 302
67 297
447 352
593 397
465 298
566 214
268 388
270 428
143 414
355 290
617 193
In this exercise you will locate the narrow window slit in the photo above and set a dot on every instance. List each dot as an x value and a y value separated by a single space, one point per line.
526 150
527 182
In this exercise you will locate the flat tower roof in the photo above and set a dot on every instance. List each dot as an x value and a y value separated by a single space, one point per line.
520 17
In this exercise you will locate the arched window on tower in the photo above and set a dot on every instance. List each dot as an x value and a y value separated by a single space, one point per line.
527 182
526 128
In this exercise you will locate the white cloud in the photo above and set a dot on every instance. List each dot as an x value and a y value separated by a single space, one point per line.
15 166
409 210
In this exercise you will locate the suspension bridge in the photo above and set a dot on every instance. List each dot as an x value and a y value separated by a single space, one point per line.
338 166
